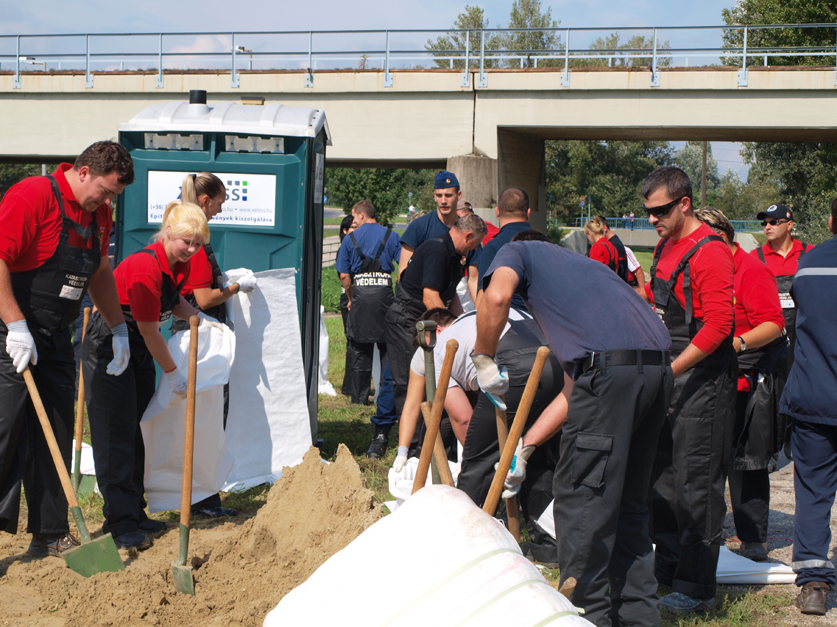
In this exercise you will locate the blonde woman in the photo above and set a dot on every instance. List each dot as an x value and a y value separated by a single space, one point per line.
602 249
148 283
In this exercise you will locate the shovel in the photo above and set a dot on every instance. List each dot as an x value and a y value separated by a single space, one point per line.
496 489
511 503
181 573
93 556
427 447
80 412
439 461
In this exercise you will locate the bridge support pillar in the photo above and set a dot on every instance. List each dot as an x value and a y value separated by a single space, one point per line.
521 163
478 181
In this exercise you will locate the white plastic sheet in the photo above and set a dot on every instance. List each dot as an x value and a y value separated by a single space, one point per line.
268 425
464 569
163 423
323 384
731 568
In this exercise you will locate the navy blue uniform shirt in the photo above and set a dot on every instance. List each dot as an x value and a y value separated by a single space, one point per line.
581 305
504 236
428 227
811 391
369 237
435 265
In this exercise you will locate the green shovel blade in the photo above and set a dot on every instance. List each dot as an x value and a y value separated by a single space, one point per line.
182 576
97 556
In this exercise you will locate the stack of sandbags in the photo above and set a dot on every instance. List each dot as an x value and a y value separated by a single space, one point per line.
452 564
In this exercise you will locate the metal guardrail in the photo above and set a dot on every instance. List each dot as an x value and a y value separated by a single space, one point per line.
226 50
637 224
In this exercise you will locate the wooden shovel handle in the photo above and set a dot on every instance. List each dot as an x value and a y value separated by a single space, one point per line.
80 406
519 423
511 503
189 439
63 475
440 456
435 416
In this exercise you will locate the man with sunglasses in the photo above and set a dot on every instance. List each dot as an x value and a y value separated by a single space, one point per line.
691 290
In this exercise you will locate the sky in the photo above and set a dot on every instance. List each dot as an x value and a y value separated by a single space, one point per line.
189 16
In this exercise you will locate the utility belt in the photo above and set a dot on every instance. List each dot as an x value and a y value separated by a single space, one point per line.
639 358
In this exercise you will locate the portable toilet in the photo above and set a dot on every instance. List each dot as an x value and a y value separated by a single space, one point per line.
271 159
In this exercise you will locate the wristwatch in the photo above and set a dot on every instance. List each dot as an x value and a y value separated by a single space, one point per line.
743 344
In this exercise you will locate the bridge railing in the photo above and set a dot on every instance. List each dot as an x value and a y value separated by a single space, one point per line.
390 50
740 226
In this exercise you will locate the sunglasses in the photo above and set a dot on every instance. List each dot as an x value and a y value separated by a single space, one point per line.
662 210
773 222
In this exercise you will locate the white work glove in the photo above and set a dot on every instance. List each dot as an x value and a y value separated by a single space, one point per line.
517 472
121 350
210 321
246 284
178 382
493 381
400 460
21 345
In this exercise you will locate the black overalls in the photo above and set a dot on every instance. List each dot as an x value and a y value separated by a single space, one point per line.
371 299
115 405
694 449
516 351
784 283
49 297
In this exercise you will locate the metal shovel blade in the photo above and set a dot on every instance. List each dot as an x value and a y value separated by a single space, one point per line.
97 556
182 577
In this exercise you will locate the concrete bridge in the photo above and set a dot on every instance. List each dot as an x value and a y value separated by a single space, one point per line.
490 132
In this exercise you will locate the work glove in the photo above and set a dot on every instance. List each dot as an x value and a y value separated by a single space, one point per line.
517 472
121 350
400 460
493 381
210 321
178 382
21 345
246 284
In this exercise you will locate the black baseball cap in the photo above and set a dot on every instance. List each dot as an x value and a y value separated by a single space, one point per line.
776 212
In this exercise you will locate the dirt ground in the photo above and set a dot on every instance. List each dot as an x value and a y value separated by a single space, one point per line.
242 570
780 542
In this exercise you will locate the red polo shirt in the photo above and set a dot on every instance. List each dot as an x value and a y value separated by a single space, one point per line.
31 221
200 273
492 232
605 252
756 296
711 270
781 266
139 280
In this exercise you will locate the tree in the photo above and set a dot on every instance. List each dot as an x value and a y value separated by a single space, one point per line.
385 188
527 14
690 160
637 42
474 20
740 200
11 173
781 12
610 173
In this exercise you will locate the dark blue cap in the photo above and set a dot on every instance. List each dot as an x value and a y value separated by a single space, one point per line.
776 212
445 179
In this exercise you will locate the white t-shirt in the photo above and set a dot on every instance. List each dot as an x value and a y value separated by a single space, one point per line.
464 331
633 264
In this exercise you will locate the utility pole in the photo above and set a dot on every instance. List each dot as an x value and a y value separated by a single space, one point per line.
703 179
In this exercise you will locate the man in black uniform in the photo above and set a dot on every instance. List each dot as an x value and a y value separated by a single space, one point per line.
53 248
428 281
365 262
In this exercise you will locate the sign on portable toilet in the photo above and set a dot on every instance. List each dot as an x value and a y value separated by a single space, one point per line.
271 159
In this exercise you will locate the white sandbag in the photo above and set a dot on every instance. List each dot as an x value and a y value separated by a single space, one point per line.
731 568
323 384
163 423
464 569
465 295
401 483
268 425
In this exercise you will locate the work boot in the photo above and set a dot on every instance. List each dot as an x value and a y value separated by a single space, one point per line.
756 551
215 512
132 540
812 598
680 603
151 526
53 544
379 444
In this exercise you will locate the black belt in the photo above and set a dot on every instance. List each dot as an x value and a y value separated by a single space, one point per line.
625 358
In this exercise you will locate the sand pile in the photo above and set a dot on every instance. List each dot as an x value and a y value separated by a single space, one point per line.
243 571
